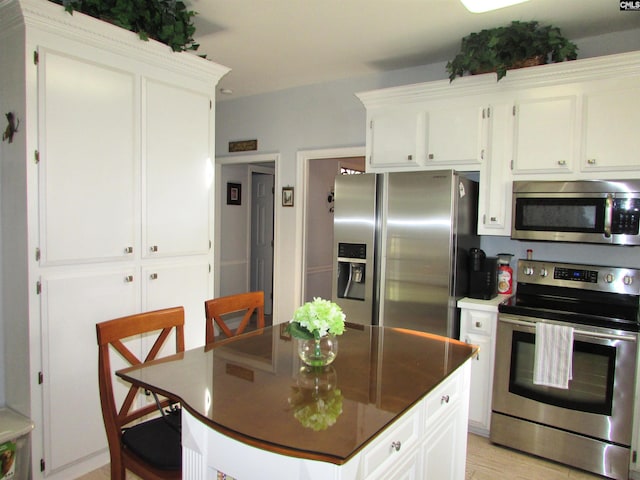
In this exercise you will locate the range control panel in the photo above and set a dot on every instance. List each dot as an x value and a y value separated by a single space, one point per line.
588 277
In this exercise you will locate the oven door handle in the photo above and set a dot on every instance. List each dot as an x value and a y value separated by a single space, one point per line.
609 336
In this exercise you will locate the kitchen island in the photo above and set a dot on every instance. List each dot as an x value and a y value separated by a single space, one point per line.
394 404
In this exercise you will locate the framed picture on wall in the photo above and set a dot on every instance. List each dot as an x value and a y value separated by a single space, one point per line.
234 194
287 196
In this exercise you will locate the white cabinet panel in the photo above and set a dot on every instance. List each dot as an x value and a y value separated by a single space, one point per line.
494 200
611 119
455 135
187 285
441 457
177 170
88 159
545 134
397 138
70 357
481 382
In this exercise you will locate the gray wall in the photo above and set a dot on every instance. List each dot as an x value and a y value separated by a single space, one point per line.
330 116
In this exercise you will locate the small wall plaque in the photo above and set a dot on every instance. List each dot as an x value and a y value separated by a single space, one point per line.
243 146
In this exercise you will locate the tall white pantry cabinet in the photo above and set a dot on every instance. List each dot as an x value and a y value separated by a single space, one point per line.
106 209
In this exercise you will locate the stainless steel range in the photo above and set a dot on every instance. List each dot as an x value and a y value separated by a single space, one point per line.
589 424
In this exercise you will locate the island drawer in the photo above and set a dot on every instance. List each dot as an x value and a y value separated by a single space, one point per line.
443 398
395 442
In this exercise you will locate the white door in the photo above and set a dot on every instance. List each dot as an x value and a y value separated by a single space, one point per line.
186 285
262 236
88 159
176 170
72 415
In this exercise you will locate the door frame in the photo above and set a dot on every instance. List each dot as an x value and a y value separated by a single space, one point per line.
302 164
248 160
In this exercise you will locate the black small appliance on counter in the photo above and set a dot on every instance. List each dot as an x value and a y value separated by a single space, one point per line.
483 275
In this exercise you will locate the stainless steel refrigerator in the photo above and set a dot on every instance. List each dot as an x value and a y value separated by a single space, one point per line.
401 243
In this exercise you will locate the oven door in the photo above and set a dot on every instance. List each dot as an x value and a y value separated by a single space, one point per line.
599 400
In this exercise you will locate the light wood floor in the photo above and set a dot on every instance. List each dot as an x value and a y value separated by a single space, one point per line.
484 462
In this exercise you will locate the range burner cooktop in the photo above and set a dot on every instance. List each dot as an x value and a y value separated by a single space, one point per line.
585 294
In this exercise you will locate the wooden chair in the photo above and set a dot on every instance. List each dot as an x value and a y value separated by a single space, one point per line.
151 449
217 309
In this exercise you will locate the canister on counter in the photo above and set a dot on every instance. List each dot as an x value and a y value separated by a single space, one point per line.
505 274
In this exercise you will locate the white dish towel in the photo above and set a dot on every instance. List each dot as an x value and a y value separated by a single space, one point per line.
554 353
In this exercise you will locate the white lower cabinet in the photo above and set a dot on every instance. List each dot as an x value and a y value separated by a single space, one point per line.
478 323
428 442
71 402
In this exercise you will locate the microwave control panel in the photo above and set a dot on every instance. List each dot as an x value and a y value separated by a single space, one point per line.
626 216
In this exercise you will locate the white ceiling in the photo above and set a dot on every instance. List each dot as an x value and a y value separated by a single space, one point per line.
276 44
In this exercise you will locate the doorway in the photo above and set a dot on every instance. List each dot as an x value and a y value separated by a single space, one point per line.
244 227
317 170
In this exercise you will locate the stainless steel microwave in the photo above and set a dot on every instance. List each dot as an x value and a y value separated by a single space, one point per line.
585 211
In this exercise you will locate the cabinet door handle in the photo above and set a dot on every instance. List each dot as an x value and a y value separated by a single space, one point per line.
396 446
431 156
444 399
153 248
128 278
591 161
153 276
562 163
128 250
409 157
494 219
478 324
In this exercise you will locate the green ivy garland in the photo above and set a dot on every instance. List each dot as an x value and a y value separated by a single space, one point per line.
167 21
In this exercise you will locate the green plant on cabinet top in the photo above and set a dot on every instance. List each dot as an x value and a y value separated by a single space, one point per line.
167 21
517 45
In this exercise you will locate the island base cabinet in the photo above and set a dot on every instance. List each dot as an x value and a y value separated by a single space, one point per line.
423 443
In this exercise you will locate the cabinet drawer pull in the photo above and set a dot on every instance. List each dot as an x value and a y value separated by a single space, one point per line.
478 324
591 161
128 278
153 248
562 163
396 446
153 276
431 156
409 157
494 219
128 250
444 399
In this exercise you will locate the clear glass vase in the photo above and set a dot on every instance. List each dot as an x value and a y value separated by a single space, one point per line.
318 352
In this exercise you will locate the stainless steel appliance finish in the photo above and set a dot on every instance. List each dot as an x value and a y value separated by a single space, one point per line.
588 425
588 211
412 232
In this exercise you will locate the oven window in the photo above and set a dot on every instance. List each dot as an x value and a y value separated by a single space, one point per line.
590 390
560 214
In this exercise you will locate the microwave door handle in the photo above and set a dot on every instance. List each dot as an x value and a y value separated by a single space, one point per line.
608 215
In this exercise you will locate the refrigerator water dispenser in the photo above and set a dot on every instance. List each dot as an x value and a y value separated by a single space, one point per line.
352 265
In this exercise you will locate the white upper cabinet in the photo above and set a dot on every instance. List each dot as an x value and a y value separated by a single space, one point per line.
177 169
564 121
494 198
455 135
87 159
544 134
396 138
611 115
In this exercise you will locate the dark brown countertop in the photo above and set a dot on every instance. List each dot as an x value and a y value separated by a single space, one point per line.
255 389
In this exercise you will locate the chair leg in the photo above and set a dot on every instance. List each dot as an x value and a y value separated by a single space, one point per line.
117 470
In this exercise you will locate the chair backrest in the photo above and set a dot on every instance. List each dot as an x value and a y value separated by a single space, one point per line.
110 336
217 310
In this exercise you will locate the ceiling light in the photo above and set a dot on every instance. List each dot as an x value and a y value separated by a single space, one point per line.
480 6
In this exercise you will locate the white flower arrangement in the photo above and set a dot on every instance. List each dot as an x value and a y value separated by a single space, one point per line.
316 319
